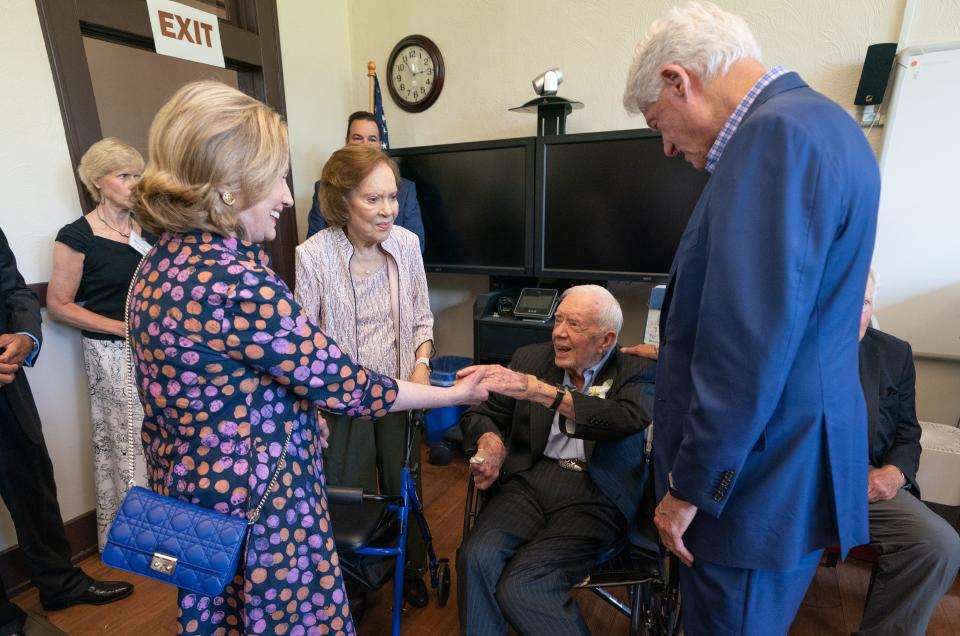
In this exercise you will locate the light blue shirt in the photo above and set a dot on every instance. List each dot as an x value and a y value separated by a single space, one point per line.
28 361
560 446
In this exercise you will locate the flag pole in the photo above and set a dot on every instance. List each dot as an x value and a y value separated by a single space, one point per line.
371 74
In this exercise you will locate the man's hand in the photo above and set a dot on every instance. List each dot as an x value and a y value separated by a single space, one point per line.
8 372
485 465
16 348
648 351
495 379
884 483
672 518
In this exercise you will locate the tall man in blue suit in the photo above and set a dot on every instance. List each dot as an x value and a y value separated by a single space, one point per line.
362 128
760 433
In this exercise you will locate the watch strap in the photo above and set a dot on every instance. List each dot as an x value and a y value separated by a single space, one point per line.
424 361
561 391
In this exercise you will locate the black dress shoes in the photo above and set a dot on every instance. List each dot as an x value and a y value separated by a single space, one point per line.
416 592
99 593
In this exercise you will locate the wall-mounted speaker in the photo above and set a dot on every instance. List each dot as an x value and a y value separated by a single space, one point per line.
876 71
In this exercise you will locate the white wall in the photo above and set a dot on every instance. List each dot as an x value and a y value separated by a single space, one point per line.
318 76
39 196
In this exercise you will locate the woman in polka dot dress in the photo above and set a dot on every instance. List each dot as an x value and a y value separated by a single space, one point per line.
228 365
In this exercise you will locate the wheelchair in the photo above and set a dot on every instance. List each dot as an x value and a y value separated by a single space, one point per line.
651 579
375 525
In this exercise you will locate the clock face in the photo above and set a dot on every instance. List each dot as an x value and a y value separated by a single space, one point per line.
413 74
416 73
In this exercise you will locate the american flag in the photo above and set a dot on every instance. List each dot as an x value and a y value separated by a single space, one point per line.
378 113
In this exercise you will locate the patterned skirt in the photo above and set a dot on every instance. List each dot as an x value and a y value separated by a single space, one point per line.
106 375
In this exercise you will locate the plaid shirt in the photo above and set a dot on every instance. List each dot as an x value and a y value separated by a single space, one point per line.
730 127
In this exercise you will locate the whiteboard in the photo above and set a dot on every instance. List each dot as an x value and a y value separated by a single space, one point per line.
917 253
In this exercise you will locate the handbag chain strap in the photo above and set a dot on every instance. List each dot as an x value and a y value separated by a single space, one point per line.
252 515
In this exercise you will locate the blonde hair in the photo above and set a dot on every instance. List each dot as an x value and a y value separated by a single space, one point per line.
102 158
700 37
209 139
344 171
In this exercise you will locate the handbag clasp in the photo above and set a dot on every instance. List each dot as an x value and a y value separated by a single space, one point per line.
163 563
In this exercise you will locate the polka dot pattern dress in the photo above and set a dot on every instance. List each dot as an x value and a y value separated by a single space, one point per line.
227 364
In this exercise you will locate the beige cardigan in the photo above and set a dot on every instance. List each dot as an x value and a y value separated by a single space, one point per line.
325 290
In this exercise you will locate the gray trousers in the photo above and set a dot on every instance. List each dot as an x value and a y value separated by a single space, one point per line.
540 533
919 559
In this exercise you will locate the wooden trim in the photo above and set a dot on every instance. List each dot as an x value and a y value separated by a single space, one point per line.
81 535
281 249
60 24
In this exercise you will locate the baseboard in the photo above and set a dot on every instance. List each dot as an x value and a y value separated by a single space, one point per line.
81 535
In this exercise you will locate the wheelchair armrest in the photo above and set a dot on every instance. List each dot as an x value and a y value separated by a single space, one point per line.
344 495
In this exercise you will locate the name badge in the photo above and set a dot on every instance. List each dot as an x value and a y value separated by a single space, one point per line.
139 243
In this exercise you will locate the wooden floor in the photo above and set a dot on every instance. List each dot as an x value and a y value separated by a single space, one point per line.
833 604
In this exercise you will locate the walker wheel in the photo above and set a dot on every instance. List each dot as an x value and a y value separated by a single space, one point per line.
443 582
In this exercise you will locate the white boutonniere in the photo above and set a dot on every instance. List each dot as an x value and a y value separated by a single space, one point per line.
601 390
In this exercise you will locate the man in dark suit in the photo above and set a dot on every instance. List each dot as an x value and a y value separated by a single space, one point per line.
362 129
562 447
919 551
26 474
759 445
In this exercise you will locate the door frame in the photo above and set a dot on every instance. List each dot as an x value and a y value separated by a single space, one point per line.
251 46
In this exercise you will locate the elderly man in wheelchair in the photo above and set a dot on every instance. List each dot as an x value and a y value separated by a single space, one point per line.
560 458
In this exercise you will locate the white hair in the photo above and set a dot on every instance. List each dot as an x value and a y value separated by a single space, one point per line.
700 37
609 314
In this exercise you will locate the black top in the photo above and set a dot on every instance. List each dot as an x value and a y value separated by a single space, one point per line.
108 267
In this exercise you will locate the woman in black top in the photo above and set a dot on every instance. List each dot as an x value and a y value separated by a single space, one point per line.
93 260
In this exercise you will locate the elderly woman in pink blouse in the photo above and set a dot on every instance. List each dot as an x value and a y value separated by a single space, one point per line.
362 280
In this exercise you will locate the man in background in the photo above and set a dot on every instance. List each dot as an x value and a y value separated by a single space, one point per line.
919 551
26 473
362 128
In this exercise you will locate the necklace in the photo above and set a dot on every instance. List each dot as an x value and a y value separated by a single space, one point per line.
104 221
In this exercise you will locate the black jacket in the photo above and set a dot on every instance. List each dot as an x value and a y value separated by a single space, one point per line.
19 313
608 426
888 377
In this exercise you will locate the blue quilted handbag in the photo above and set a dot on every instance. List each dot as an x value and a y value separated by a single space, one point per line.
176 542
194 548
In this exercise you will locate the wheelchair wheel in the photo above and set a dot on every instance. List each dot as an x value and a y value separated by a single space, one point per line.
443 582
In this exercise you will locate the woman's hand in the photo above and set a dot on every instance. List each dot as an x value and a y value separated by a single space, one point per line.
323 429
499 379
470 385
420 375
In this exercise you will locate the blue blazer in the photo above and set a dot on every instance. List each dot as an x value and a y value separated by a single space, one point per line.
760 419
408 217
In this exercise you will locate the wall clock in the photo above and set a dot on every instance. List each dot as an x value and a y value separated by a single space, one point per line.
416 73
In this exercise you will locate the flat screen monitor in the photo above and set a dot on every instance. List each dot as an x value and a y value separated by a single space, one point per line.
476 200
611 205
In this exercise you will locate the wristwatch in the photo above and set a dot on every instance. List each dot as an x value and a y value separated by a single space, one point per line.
424 361
561 391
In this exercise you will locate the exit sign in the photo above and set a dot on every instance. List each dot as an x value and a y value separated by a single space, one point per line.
185 32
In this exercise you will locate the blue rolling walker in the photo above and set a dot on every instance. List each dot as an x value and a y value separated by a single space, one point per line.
374 525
